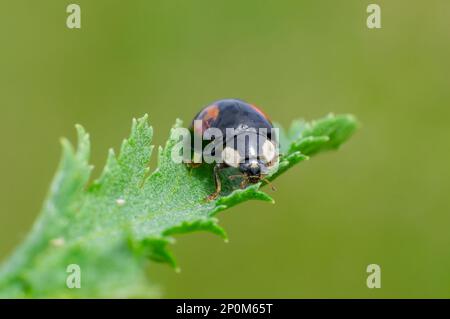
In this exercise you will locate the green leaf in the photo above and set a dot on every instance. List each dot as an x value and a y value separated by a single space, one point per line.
112 227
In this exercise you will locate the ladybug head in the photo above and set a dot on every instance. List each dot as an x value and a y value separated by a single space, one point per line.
253 170
253 159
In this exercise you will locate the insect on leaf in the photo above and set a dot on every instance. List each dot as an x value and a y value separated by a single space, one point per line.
128 216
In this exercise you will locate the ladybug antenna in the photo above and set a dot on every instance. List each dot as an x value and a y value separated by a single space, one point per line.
269 183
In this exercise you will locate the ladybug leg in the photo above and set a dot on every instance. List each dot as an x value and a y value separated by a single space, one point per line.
191 166
194 163
265 180
214 195
244 183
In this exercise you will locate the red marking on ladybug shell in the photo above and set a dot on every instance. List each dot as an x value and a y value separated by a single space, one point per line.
207 116
212 112
259 111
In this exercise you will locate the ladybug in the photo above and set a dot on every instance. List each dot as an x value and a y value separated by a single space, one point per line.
248 143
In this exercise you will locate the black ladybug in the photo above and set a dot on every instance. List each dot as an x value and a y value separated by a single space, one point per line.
248 141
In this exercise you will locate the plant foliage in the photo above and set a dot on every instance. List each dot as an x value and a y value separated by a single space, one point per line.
114 225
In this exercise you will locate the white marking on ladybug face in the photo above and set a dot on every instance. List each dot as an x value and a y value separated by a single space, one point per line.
268 151
231 157
253 164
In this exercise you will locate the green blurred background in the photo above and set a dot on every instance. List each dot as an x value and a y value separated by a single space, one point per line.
383 198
